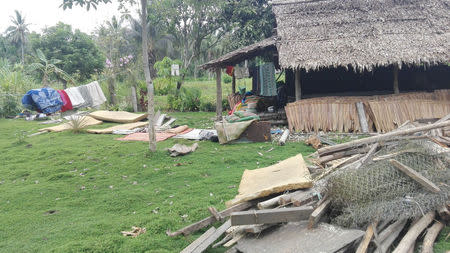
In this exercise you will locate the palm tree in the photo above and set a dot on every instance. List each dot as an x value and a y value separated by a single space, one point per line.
160 43
18 31
48 67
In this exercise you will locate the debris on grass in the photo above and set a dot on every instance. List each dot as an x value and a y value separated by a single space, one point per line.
136 231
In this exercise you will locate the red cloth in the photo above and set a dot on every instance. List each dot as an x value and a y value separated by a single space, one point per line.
230 70
67 104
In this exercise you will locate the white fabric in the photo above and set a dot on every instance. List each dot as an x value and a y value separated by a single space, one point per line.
75 97
96 93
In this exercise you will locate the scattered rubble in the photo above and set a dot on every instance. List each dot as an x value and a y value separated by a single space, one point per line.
374 194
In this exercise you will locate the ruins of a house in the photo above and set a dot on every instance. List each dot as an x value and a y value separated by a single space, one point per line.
337 54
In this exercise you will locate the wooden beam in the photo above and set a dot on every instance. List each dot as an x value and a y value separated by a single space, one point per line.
430 237
233 84
318 213
362 117
199 240
395 82
271 216
219 94
204 244
411 236
210 220
215 213
270 202
236 238
378 138
368 156
414 175
364 245
388 236
298 86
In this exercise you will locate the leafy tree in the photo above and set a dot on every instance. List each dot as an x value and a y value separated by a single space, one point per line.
192 22
8 50
77 51
48 67
148 78
17 32
251 21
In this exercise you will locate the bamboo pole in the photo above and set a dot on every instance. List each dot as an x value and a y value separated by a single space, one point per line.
219 94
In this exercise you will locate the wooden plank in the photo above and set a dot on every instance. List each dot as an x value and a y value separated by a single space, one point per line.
212 238
210 220
318 213
415 176
168 123
235 239
199 240
362 117
390 236
362 248
271 216
303 198
381 137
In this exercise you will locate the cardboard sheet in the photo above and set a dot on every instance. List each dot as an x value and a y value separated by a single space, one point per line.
290 174
87 121
109 130
118 117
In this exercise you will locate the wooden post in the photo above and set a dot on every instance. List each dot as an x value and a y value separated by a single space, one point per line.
233 84
298 87
219 94
396 89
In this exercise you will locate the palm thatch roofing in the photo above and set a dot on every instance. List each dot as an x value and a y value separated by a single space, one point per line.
242 54
362 34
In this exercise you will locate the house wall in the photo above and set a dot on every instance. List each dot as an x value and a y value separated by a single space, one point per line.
347 82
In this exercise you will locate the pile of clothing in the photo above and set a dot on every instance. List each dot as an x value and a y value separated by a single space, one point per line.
48 100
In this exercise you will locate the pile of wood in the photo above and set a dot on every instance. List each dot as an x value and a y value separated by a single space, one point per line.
297 221
366 114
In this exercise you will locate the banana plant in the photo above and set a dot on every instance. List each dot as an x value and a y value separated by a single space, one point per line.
48 67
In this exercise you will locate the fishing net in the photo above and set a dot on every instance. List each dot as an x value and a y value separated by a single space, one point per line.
379 191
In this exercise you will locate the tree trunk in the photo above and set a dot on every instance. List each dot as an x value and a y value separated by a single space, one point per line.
134 98
112 90
148 79
23 52
233 84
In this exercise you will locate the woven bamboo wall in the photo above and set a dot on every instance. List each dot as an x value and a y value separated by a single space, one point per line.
384 113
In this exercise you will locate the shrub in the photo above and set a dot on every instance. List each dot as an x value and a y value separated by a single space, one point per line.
163 86
9 105
207 104
187 99
227 79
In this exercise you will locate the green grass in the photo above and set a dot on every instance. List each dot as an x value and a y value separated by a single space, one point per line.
99 186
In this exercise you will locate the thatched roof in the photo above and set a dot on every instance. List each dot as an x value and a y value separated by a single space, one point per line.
242 54
362 33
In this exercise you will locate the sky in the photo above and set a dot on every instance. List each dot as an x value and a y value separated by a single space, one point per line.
44 13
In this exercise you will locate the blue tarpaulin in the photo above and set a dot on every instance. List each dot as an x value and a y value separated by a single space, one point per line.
46 100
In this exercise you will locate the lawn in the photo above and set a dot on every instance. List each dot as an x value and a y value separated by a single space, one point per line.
65 192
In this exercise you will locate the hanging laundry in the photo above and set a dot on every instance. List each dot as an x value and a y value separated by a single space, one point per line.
267 77
96 93
230 70
46 100
75 97
67 104
84 91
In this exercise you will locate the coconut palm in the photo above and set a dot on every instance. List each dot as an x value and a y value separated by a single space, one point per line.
18 31
48 67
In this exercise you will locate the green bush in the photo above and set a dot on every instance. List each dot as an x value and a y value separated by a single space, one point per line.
163 86
187 99
9 105
207 104
227 79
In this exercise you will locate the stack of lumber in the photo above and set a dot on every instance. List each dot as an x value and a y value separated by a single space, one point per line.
381 113
292 215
